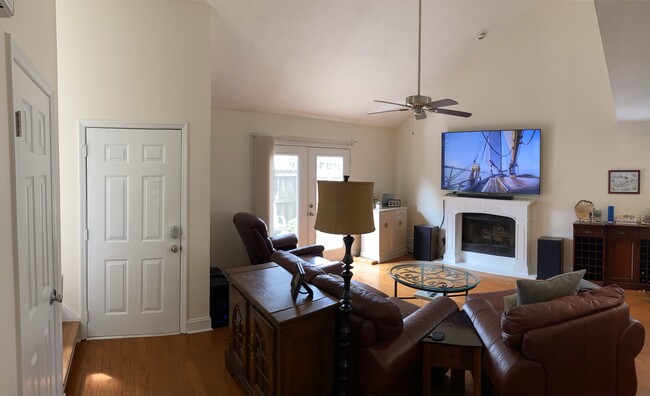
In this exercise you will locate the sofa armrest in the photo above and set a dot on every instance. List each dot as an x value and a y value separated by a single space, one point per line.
630 344
313 250
390 360
284 241
509 371
420 323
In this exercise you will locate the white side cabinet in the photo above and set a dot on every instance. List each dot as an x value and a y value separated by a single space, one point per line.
389 239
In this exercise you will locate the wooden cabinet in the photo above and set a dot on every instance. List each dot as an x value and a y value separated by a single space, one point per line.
622 251
589 250
644 258
613 253
279 346
388 241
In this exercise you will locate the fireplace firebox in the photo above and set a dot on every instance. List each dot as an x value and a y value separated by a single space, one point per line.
488 234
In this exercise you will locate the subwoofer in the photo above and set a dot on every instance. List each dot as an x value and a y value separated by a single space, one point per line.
550 256
425 242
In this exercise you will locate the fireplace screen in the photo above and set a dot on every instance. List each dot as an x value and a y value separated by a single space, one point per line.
488 234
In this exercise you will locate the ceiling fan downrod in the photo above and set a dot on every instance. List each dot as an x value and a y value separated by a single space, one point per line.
419 43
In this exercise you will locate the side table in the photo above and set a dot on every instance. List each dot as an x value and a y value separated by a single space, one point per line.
460 350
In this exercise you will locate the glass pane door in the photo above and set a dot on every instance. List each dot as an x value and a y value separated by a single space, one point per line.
289 193
328 168
294 192
329 164
285 194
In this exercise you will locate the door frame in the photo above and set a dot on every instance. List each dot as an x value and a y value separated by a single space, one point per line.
83 173
20 58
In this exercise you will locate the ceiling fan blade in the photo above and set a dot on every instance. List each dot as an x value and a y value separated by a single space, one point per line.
441 103
388 111
420 116
452 112
393 103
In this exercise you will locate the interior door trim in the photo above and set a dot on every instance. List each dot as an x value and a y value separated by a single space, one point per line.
83 126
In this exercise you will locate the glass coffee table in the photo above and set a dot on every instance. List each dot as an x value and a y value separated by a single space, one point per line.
433 279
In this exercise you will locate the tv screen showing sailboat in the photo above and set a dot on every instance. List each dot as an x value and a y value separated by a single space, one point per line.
493 161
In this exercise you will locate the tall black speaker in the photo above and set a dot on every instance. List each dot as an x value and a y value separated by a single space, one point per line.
425 242
550 256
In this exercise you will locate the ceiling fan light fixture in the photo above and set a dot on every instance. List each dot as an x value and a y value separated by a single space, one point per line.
417 100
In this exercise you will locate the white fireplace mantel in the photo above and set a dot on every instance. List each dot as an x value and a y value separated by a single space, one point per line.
517 209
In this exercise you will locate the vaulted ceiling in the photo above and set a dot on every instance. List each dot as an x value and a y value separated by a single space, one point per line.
625 29
330 59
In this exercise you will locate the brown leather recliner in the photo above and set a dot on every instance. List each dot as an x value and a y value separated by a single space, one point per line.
255 235
575 345
385 332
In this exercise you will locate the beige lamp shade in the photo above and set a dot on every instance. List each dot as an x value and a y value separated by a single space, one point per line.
345 208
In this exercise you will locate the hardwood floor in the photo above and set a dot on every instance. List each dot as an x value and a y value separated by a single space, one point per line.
186 364
193 364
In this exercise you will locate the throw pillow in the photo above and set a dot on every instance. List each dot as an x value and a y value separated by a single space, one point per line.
585 285
509 301
533 291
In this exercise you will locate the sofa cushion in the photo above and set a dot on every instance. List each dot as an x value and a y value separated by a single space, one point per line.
517 321
533 291
377 309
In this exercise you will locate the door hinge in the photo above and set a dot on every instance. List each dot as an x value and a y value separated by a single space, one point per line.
85 234
19 124
87 318
84 150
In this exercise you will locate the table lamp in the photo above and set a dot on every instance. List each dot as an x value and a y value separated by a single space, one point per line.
345 208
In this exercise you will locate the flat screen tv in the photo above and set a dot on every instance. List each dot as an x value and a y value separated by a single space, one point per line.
492 162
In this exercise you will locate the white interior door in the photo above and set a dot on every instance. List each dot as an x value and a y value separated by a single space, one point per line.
134 217
296 169
38 270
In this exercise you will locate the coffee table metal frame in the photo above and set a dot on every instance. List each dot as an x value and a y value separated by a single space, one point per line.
434 278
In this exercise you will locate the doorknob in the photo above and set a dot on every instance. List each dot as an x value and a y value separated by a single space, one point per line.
55 297
175 249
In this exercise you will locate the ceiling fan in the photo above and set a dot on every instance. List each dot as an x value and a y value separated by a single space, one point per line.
420 104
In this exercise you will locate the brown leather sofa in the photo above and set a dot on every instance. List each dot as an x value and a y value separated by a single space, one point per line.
385 350
575 345
260 246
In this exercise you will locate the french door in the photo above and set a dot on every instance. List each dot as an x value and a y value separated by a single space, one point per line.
294 195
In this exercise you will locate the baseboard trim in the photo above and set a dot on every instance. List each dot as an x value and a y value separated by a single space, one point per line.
68 315
198 325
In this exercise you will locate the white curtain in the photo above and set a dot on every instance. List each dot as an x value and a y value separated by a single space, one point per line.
262 168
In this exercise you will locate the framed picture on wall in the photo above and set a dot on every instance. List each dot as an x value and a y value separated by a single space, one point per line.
624 181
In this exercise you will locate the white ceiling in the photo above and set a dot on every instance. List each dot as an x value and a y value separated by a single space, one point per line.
329 59
625 31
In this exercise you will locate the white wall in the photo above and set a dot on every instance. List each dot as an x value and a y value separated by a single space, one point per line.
547 71
372 160
33 29
141 61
